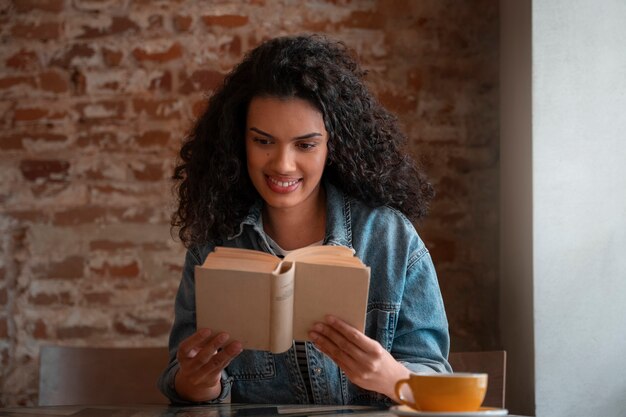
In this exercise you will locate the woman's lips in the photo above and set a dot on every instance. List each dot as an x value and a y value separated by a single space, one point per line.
282 185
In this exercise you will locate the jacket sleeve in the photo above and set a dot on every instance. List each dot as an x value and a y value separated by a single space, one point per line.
421 341
183 327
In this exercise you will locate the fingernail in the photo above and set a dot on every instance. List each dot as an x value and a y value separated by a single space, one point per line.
330 319
222 338
318 327
314 336
192 353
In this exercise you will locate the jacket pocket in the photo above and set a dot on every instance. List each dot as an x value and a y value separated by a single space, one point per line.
380 322
252 365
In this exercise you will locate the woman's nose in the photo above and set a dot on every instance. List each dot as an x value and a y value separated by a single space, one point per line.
283 161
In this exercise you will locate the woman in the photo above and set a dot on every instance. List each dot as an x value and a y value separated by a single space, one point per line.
292 151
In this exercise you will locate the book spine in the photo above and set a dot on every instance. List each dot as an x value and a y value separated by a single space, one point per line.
281 307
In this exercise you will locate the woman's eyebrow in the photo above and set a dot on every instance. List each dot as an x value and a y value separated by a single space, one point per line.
307 136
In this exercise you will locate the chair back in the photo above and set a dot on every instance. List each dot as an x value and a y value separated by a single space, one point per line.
492 363
93 375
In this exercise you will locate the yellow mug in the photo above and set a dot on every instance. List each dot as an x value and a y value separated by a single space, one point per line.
444 392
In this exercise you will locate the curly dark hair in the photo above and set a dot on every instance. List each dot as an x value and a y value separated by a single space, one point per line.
366 156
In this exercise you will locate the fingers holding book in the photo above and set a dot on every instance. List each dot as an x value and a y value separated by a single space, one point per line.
364 361
202 357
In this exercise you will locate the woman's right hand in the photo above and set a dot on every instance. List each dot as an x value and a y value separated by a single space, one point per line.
202 357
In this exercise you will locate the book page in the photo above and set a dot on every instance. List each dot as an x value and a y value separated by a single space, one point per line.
241 259
281 310
236 302
319 251
326 289
245 254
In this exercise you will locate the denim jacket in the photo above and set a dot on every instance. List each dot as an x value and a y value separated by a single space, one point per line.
405 311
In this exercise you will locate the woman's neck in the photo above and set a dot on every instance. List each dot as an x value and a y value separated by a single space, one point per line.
296 227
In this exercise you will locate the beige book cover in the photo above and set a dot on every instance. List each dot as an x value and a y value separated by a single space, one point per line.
266 302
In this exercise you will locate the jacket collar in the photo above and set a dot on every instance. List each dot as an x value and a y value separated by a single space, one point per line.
338 218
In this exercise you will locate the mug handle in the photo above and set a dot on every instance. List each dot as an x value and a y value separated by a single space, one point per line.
400 397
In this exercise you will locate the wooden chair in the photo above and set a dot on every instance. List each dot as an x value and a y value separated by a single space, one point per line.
492 363
90 375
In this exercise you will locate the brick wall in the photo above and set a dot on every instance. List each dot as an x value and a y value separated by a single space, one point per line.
96 95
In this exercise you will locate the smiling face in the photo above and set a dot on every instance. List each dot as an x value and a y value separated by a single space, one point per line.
286 148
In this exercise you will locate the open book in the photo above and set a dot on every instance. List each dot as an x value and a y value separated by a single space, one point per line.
266 302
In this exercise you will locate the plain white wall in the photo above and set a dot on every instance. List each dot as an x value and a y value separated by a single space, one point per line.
579 206
563 206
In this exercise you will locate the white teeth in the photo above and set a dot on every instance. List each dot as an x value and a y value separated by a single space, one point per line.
283 183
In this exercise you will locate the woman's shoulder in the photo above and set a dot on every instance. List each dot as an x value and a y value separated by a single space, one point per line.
197 253
382 216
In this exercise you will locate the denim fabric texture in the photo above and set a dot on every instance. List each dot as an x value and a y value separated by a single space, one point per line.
405 311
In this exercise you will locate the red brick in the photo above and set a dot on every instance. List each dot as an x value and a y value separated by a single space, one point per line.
48 169
17 81
23 60
414 79
174 51
110 245
4 328
199 81
158 109
182 23
80 215
143 215
69 57
26 6
162 293
159 328
4 358
102 140
151 138
129 269
148 172
29 114
32 216
40 330
69 268
154 246
54 82
162 82
79 82
479 159
119 25
122 328
16 141
12 142
233 47
40 31
442 250
95 5
103 298
101 110
155 22
199 107
364 20
398 103
111 57
4 293
77 332
46 299
226 20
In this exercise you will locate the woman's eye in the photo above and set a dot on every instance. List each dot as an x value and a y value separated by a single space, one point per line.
262 141
306 146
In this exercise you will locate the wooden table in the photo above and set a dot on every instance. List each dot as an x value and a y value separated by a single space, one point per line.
218 410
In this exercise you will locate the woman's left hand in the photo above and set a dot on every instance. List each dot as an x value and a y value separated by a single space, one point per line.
364 361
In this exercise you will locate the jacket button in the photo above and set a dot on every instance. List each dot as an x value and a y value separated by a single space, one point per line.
317 370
